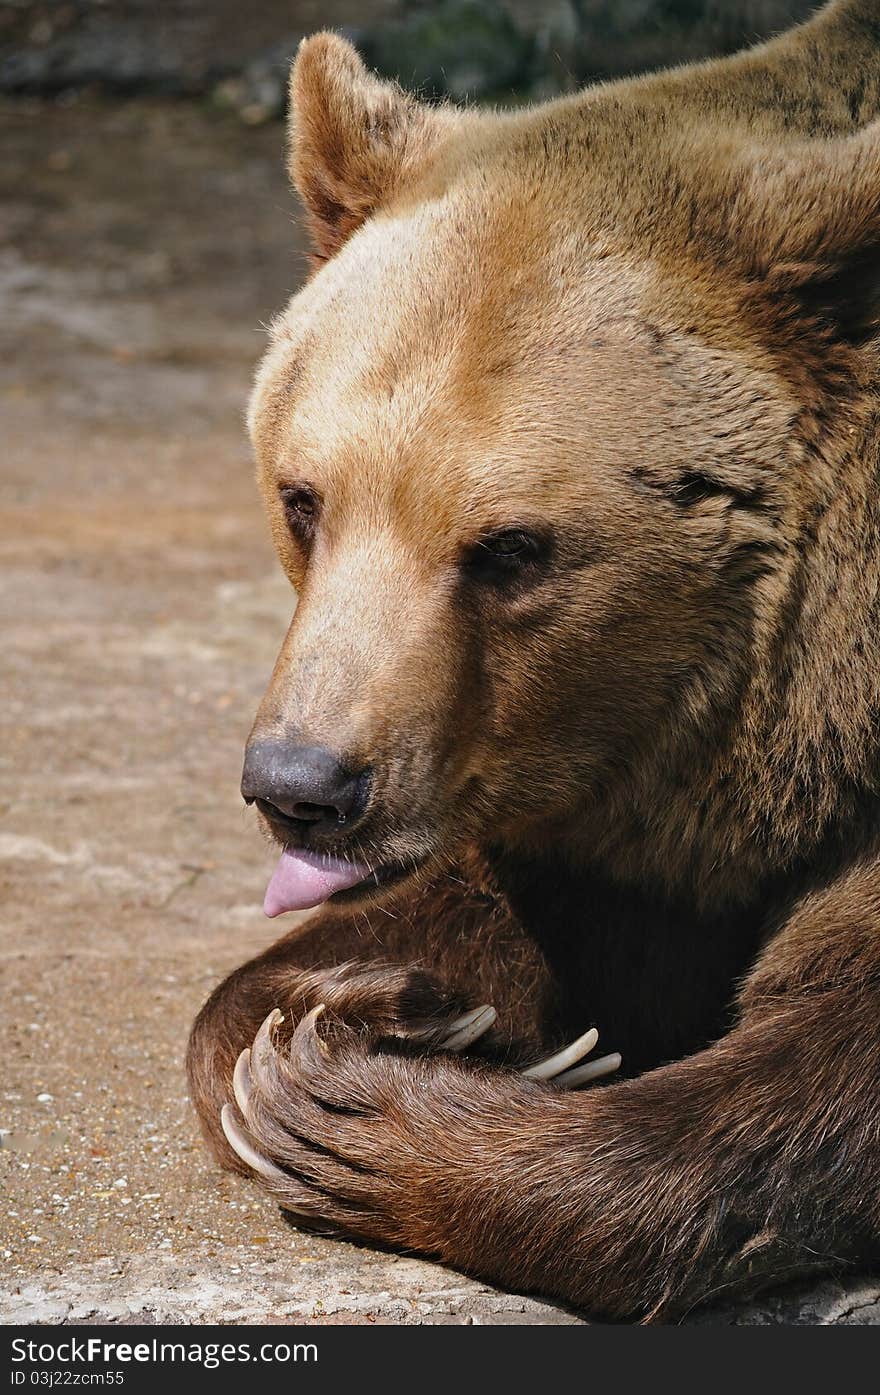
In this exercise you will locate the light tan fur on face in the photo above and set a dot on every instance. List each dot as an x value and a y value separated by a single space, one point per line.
562 319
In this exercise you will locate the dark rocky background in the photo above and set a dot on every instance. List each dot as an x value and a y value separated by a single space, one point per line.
237 54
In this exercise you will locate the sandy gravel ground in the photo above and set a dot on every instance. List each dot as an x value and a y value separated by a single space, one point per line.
140 247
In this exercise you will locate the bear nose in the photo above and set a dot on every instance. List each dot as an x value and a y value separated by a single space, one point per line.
306 783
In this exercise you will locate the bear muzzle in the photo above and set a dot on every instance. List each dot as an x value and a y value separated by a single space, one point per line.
309 798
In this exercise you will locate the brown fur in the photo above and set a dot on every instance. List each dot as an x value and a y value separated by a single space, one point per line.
635 783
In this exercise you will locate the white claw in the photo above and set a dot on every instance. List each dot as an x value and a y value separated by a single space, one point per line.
267 1030
241 1081
568 1056
263 1048
242 1145
465 1030
591 1070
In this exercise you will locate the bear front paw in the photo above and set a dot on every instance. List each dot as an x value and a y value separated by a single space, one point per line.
305 1115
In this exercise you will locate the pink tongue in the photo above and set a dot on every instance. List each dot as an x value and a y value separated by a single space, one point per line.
303 879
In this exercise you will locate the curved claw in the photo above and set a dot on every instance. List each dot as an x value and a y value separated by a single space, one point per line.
465 1030
306 1037
561 1060
268 1027
307 1051
241 1081
264 1042
242 1145
591 1070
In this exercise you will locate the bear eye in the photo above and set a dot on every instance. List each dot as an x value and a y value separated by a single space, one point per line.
506 552
512 544
301 508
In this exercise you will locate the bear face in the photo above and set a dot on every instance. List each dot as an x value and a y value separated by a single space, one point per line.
538 458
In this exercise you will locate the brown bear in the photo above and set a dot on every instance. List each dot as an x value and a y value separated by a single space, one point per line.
570 450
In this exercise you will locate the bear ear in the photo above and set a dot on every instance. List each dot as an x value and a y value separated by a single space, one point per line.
809 226
353 138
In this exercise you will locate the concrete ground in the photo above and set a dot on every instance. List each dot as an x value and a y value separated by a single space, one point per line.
141 246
